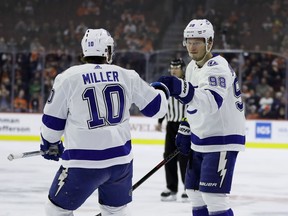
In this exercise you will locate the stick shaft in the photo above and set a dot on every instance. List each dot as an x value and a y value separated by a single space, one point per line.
24 155
157 167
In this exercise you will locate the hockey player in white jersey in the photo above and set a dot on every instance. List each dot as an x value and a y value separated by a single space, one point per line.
216 118
89 104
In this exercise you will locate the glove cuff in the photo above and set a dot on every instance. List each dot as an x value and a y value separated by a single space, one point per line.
187 92
185 130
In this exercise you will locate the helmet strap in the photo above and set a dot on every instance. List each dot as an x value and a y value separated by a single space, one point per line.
201 62
204 59
109 55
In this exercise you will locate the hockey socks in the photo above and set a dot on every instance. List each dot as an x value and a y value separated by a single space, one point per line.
201 211
229 212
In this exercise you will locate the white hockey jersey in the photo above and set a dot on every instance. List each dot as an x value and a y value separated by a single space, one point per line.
216 112
90 104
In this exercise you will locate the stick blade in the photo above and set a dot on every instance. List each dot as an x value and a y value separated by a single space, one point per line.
10 157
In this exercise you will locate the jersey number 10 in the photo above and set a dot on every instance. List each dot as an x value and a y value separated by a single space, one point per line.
114 101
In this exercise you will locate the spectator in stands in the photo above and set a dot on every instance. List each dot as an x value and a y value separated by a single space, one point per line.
36 45
80 30
265 103
252 99
263 87
88 7
23 44
278 106
4 99
147 44
3 45
252 113
281 112
29 8
34 103
245 93
267 24
35 85
130 28
251 79
11 44
20 104
277 75
21 26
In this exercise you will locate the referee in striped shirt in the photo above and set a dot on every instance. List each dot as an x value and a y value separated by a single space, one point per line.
176 112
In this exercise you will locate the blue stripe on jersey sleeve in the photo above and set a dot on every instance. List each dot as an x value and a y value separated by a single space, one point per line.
153 107
218 140
53 123
97 155
217 97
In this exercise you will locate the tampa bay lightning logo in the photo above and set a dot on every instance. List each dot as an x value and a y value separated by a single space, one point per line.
212 63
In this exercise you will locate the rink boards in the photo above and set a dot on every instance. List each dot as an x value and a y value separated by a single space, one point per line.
259 133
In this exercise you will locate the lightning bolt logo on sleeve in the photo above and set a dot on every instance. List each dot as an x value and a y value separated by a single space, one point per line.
222 166
61 179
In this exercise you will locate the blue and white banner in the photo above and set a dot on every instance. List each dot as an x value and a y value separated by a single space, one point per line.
259 133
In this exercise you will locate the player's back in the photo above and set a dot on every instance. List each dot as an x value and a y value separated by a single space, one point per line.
97 99
104 90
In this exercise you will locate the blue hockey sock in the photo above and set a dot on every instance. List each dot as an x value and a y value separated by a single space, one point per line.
229 212
201 211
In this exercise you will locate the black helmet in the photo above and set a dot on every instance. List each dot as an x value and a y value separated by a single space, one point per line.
177 62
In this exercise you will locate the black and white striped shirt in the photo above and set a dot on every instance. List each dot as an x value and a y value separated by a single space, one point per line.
176 111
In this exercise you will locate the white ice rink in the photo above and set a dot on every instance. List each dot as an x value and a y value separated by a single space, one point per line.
260 184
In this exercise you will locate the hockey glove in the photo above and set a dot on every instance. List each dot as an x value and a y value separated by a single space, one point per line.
183 138
180 89
52 151
161 86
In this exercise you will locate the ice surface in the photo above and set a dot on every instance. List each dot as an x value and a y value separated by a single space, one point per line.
259 189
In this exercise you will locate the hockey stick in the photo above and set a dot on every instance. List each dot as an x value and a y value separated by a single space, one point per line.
151 172
157 167
24 155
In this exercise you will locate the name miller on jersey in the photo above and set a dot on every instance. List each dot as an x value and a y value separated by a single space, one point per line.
95 77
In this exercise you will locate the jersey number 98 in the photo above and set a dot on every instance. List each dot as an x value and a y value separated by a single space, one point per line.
220 81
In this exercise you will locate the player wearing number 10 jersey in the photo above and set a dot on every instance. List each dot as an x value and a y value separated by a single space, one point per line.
90 104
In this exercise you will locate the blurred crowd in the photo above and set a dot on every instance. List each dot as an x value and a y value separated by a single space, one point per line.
49 25
258 25
26 80
263 84
41 38
39 25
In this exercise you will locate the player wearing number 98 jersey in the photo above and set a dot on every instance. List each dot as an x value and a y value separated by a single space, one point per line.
215 114
89 104
217 123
